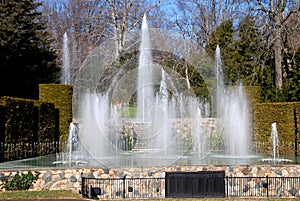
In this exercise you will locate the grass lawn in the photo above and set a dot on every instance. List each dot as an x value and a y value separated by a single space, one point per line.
17 195
64 194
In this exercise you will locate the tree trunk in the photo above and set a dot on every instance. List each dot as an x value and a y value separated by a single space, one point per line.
278 59
277 50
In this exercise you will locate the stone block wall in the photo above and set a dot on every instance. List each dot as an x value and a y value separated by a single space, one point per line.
70 179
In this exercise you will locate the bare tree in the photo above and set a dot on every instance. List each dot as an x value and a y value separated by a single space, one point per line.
198 19
84 23
276 14
90 22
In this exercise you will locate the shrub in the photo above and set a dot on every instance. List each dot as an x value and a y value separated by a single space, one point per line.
21 181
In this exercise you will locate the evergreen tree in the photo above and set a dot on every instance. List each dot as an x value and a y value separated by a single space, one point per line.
224 37
245 56
250 50
26 57
254 58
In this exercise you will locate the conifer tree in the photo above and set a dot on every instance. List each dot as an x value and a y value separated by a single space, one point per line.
253 55
26 57
224 37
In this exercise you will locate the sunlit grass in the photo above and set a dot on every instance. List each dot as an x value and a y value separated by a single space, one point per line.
129 112
39 194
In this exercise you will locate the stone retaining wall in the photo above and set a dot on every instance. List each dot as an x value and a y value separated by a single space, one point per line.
70 179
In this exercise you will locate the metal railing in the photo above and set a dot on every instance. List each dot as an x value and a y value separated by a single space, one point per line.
262 186
17 151
242 187
122 188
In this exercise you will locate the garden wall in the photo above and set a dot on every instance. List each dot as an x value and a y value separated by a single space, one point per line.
70 179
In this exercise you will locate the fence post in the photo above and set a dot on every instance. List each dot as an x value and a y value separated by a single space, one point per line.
2 159
227 188
267 186
124 186
296 135
82 184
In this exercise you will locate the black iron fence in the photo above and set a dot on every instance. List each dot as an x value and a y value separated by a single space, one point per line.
262 186
121 188
242 187
22 150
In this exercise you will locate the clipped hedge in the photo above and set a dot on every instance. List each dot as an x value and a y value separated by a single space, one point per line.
253 94
283 114
2 124
297 118
21 120
25 126
47 125
61 96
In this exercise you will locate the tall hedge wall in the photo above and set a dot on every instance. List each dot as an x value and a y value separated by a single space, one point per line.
21 120
61 96
2 124
283 114
253 94
47 124
297 110
26 126
27 121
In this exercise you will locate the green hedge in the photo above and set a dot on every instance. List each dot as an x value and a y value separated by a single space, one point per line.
47 125
2 124
25 127
21 120
283 114
297 110
253 94
61 96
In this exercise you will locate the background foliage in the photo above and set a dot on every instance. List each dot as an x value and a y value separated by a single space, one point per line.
26 56
250 38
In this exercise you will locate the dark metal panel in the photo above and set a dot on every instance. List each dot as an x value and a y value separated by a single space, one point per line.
195 184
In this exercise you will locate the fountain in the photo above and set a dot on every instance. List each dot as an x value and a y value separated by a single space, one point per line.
70 156
275 146
168 125
166 129
66 67
232 115
154 136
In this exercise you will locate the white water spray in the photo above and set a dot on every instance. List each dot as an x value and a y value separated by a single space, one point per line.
72 143
145 80
66 68
275 141
232 114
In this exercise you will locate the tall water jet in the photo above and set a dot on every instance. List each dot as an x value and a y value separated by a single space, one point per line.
236 123
145 80
160 118
66 67
220 88
275 141
232 114
72 143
